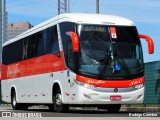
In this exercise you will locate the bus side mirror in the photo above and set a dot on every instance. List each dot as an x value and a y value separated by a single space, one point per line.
150 43
75 41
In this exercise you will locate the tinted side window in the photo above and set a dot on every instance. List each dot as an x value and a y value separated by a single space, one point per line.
18 51
32 46
13 52
38 44
52 43
66 41
6 55
65 27
48 41
25 48
42 44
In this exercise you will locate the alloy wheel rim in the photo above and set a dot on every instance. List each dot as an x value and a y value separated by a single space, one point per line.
58 99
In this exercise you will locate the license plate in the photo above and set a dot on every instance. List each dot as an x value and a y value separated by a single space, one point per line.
115 98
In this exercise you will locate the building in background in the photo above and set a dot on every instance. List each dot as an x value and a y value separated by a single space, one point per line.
3 21
16 28
3 24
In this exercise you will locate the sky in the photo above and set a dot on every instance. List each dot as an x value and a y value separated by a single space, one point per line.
144 13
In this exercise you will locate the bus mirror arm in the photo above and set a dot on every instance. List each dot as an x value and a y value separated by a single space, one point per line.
75 41
150 43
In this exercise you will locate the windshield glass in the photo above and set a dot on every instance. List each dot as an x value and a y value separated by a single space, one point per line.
109 52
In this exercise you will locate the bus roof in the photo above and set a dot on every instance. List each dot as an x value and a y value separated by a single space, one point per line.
80 18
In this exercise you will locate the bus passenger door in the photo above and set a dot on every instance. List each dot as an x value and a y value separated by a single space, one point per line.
71 57
71 86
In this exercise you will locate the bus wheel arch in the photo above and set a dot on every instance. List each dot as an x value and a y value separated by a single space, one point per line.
14 103
57 99
54 87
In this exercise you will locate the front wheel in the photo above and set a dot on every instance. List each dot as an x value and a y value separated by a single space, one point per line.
58 105
14 101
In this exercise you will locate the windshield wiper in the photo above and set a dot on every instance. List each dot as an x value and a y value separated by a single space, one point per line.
105 65
113 55
116 55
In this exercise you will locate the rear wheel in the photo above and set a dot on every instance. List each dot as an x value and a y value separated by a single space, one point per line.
58 105
15 105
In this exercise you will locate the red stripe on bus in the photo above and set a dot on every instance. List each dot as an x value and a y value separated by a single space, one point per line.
110 83
39 65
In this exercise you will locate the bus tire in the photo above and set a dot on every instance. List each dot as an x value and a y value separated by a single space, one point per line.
113 108
57 100
15 105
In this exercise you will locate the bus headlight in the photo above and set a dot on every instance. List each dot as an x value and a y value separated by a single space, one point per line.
85 85
89 86
139 86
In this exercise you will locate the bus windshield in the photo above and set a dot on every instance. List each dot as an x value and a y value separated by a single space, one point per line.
109 52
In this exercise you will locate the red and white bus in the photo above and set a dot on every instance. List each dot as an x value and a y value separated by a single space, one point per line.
75 60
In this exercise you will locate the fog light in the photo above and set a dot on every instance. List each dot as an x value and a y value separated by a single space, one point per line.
139 96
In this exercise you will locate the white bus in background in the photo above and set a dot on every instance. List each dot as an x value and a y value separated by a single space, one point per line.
75 60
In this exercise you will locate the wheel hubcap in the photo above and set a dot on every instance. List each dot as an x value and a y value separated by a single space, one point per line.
58 99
